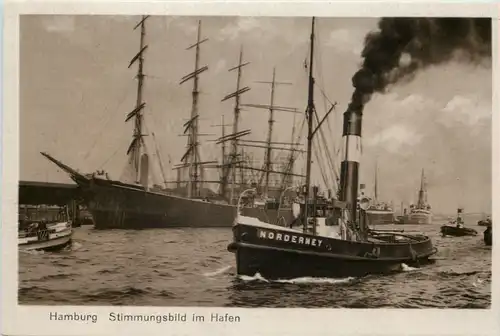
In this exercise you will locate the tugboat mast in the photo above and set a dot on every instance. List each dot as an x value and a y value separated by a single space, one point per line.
309 115
311 131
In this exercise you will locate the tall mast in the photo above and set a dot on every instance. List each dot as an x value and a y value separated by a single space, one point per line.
422 199
224 168
309 114
270 134
236 119
193 155
287 179
376 184
135 146
236 134
267 166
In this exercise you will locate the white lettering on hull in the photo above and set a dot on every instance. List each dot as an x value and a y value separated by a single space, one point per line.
289 238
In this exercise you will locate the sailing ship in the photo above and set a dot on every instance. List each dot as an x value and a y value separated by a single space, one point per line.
420 213
44 228
320 248
379 212
130 203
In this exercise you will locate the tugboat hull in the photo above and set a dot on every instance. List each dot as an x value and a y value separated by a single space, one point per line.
277 253
289 264
447 230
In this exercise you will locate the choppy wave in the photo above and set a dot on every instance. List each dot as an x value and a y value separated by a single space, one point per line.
191 267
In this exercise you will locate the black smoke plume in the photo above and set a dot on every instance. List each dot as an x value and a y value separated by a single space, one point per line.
402 46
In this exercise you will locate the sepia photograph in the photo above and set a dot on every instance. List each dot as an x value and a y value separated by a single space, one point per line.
166 157
253 162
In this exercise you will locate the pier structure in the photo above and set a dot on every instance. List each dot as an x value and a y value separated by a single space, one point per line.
35 193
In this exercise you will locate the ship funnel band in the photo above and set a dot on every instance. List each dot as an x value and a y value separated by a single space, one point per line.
351 156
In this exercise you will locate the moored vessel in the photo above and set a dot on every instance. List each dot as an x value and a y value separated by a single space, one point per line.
44 228
131 203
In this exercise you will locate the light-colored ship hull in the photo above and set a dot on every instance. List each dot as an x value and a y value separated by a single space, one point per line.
54 237
419 219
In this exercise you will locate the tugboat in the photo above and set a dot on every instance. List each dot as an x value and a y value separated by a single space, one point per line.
456 227
317 248
47 229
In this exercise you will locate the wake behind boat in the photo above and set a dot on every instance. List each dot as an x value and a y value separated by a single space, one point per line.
322 249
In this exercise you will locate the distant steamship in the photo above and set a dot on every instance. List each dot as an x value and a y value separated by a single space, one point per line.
420 213
378 213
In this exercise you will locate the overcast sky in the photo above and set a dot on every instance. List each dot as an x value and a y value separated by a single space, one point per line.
76 89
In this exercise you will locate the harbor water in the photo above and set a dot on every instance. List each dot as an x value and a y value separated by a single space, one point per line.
191 267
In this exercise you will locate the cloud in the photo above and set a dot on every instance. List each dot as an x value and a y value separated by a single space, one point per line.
59 24
468 110
265 29
413 100
347 41
242 25
219 66
395 137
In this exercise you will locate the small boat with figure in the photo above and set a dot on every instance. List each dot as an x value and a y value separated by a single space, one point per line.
456 227
485 221
313 245
44 228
